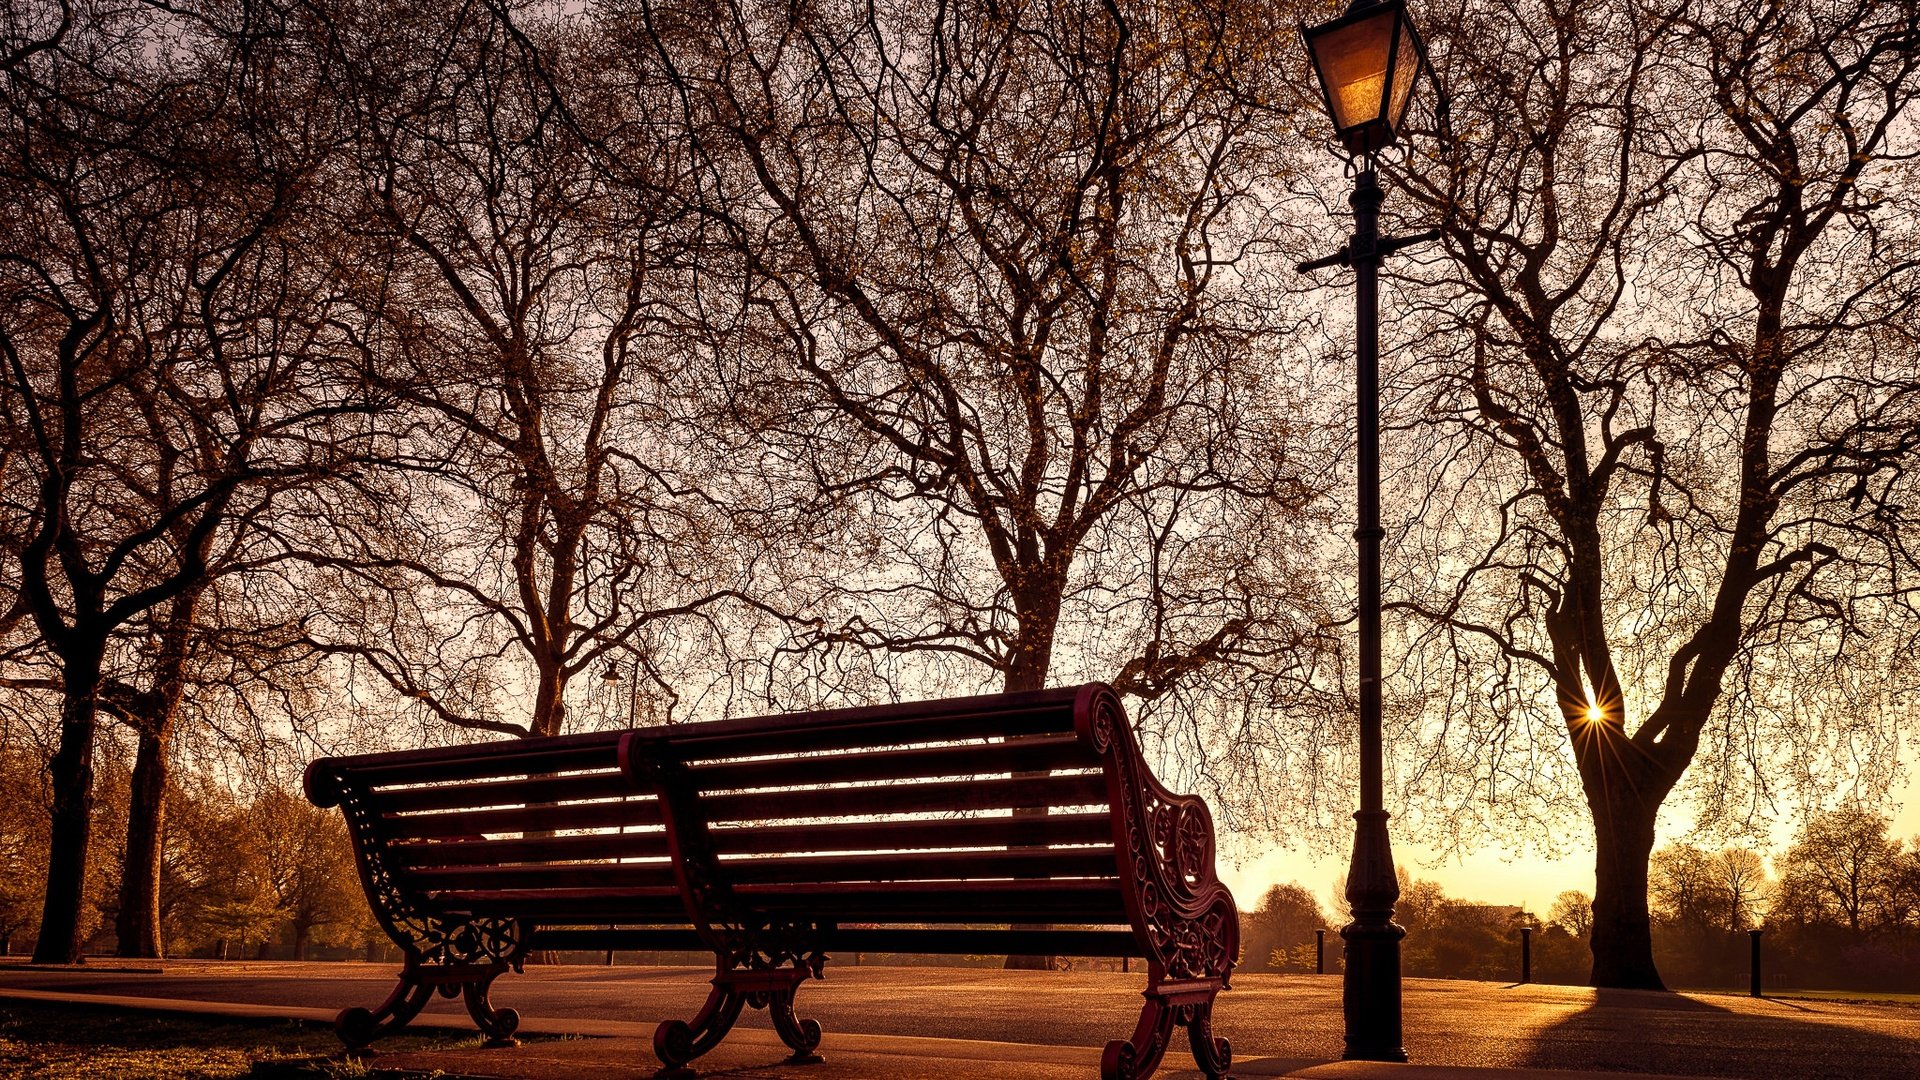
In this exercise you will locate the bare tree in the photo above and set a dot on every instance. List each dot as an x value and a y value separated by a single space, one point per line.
1572 911
1742 877
1841 863
1000 308
1665 411
156 344
516 307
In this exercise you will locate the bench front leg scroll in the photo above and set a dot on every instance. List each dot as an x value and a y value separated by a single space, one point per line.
498 1025
802 1036
677 1042
358 1027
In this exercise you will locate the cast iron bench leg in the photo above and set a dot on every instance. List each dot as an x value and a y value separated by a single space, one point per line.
498 1025
677 1042
359 1028
801 1036
1188 1005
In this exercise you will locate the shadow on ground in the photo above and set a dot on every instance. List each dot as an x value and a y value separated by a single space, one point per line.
1685 1035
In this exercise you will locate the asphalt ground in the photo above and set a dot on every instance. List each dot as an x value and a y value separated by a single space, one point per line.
1278 1024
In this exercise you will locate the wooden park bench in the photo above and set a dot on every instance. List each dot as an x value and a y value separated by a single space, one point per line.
762 838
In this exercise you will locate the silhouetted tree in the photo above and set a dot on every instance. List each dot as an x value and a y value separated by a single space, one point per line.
1840 866
160 348
1278 934
997 316
1572 911
1663 420
533 527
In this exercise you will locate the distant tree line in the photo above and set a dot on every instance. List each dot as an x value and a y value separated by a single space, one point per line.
1839 910
241 876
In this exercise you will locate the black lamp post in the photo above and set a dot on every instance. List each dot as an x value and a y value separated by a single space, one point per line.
1368 60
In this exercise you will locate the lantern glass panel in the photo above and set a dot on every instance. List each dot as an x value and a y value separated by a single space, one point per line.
1405 70
1353 66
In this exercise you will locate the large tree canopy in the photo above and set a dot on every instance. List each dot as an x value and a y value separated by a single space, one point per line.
1664 415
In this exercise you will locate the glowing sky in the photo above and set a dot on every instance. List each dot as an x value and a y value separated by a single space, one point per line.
1493 876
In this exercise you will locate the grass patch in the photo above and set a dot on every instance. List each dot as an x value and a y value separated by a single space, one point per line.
80 1042
1850 997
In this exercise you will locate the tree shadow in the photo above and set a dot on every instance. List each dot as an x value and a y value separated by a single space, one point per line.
1658 1032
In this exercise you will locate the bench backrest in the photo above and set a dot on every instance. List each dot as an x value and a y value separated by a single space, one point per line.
546 830
971 810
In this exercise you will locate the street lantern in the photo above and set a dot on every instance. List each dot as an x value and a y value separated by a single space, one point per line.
1368 60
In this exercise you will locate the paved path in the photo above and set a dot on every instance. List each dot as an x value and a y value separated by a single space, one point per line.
1279 1024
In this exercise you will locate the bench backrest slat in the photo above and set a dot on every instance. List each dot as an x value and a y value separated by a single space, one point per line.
969 759
548 817
968 832
926 866
953 796
604 875
889 726
514 791
649 844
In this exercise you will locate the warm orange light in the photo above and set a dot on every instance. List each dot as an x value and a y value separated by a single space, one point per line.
1367 60
1596 714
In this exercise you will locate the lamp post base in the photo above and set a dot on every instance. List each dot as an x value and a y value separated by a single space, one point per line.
1371 995
1372 992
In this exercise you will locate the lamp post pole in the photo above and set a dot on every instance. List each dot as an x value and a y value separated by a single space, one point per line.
1367 61
1371 995
1371 991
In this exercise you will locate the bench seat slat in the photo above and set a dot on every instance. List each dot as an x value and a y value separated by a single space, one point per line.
945 866
597 938
948 940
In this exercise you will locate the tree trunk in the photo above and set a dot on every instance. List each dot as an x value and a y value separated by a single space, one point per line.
61 941
1029 672
302 933
550 700
138 923
1622 939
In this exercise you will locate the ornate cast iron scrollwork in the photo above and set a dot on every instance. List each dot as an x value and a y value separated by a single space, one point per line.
1178 906
449 952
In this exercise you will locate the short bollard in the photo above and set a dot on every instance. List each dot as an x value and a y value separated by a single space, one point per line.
1753 966
1319 952
1526 954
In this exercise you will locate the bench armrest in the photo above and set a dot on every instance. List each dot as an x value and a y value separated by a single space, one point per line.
1165 847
